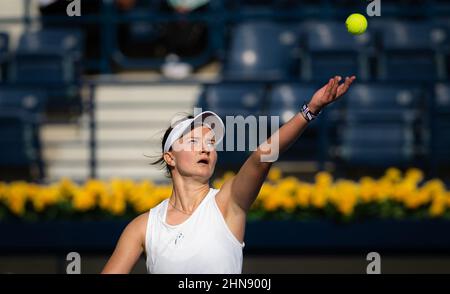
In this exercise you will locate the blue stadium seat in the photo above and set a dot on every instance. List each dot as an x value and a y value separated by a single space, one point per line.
22 111
4 43
261 50
444 51
17 140
52 42
141 31
233 99
409 51
377 144
331 50
48 56
50 59
30 100
383 102
441 124
4 47
381 125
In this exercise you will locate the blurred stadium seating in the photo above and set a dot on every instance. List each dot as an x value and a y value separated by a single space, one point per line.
380 124
261 51
441 125
330 50
410 51
4 47
51 58
55 53
21 116
271 56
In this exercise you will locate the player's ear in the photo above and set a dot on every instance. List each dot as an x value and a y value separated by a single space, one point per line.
169 158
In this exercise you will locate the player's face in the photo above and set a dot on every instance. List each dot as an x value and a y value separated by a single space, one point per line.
195 153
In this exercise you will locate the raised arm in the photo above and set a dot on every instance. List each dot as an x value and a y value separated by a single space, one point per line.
244 187
129 247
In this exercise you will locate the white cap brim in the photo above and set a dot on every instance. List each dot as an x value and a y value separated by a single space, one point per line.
206 118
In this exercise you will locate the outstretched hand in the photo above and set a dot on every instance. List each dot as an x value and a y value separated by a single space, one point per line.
329 93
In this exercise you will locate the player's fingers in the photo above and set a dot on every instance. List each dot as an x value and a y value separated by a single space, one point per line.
344 87
329 87
335 86
349 81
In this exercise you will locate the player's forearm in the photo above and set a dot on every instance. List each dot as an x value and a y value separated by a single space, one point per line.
248 181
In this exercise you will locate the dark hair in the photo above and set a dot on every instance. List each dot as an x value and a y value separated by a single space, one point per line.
160 161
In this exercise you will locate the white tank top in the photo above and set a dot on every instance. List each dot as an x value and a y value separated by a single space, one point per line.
202 244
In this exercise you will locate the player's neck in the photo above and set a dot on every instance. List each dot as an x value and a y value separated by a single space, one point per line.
188 195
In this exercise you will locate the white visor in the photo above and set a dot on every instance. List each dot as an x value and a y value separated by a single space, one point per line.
206 118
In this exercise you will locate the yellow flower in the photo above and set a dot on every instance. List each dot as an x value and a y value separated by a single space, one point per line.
403 190
218 183
17 197
303 194
274 174
66 188
344 195
383 189
141 197
83 200
118 206
42 197
228 175
319 197
367 189
435 187
288 203
272 202
393 174
414 174
438 206
266 191
323 179
416 199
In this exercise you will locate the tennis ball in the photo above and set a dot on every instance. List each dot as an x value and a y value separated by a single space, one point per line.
356 24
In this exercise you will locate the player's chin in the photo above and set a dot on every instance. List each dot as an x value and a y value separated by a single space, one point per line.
205 170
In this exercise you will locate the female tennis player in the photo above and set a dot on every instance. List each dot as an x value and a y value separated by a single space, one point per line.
199 229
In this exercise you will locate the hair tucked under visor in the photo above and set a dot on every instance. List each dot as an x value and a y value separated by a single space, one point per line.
160 161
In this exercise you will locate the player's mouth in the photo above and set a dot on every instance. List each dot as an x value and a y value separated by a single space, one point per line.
203 161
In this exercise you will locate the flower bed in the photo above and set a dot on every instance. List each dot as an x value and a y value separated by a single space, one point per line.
393 196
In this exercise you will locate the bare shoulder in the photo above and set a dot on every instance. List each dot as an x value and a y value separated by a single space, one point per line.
129 247
139 223
137 227
141 219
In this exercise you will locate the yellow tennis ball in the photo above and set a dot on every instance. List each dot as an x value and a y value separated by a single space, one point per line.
356 24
